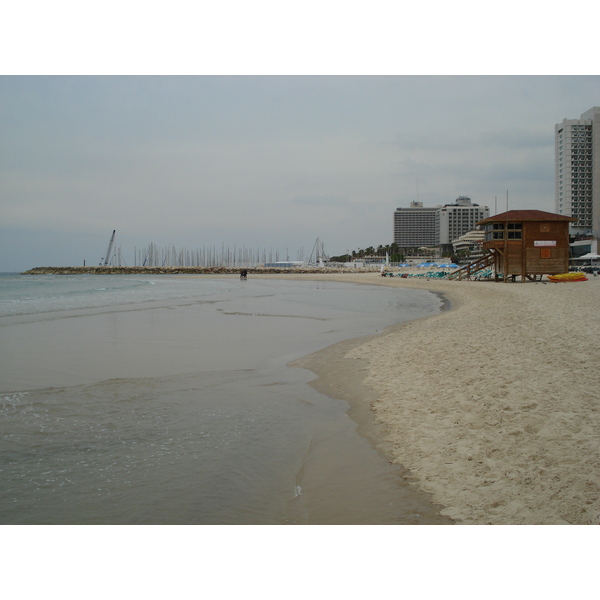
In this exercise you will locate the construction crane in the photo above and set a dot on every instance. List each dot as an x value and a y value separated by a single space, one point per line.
110 245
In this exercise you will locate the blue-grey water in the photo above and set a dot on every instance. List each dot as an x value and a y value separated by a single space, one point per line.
168 400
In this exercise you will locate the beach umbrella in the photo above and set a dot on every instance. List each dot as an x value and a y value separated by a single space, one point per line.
591 256
404 265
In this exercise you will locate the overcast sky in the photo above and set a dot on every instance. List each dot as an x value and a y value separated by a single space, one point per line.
263 161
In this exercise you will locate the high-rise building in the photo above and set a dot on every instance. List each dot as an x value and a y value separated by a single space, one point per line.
577 171
414 226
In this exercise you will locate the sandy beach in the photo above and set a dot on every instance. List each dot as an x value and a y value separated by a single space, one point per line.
493 405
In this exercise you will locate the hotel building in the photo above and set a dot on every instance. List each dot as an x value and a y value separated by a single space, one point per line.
414 226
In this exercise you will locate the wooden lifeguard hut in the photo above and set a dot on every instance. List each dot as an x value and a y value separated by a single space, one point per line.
527 243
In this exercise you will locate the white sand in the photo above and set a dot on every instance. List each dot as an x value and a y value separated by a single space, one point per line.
494 406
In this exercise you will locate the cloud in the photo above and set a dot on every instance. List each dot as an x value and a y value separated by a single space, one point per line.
264 160
320 200
518 138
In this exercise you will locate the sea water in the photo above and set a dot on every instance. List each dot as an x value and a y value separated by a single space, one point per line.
31 294
168 400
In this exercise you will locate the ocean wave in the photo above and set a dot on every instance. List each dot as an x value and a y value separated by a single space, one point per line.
23 295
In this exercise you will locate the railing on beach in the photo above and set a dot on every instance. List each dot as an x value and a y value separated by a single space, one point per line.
473 268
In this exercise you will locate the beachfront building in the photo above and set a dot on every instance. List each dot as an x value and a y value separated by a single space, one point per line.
469 244
584 244
454 220
527 243
414 226
577 171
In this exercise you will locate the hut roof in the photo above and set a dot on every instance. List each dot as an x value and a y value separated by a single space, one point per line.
526 215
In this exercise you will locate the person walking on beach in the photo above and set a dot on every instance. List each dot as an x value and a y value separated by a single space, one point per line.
243 273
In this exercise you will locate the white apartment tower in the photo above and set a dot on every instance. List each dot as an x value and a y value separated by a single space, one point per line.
577 171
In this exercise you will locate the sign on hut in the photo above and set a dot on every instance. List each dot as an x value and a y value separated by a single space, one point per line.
527 243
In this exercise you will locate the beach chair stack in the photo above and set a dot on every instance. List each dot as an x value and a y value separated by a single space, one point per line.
485 274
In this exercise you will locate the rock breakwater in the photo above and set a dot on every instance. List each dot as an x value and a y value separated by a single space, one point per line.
186 270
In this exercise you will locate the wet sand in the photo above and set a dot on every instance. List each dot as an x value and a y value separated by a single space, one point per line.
492 406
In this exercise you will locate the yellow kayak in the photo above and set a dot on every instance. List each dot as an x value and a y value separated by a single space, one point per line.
567 277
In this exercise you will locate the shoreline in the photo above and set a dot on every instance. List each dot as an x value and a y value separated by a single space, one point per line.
492 407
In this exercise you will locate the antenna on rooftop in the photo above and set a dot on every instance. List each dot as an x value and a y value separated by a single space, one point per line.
506 200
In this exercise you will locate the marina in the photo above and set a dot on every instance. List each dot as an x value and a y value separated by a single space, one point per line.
223 256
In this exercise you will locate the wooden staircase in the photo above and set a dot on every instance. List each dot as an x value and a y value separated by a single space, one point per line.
469 270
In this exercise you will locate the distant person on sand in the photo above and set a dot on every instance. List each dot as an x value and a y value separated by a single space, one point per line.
243 273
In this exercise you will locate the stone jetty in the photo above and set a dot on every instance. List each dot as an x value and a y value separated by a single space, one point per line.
188 270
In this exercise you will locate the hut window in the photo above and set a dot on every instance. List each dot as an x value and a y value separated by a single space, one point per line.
498 231
514 231
489 231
